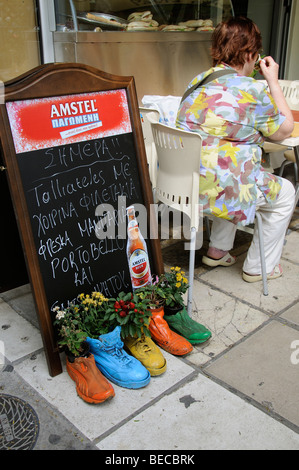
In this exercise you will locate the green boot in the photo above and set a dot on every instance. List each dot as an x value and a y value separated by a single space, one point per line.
184 325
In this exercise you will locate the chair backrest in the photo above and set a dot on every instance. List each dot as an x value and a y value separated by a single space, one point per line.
166 105
178 154
290 90
150 148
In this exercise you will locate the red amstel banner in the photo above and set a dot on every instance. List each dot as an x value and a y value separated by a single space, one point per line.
51 122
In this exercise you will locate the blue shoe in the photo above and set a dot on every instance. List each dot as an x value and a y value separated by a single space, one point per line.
120 368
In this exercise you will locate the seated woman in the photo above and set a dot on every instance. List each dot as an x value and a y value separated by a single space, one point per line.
234 113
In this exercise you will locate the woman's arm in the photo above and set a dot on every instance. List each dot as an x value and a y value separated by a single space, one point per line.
269 70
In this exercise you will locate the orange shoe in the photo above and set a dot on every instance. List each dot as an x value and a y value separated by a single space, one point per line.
166 338
91 385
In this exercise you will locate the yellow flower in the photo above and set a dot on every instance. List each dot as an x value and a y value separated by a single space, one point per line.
177 268
178 284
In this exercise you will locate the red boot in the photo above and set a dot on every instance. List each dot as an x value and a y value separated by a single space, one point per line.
91 385
166 338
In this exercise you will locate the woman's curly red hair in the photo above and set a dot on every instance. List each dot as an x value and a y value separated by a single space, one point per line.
233 40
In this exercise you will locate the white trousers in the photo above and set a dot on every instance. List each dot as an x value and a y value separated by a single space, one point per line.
275 217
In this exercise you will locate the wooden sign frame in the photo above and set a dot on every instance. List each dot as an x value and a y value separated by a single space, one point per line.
54 80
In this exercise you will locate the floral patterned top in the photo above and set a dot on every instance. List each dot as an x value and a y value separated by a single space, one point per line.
233 114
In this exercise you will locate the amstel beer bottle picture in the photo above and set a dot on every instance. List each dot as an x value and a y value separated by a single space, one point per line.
137 254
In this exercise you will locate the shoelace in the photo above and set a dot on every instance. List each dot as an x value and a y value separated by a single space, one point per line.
116 350
143 344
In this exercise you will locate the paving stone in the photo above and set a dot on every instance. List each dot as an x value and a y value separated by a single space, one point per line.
19 337
201 415
229 320
54 430
290 250
292 314
282 291
261 367
94 420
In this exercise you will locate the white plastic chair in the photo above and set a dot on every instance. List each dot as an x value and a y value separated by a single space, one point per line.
290 90
149 144
177 185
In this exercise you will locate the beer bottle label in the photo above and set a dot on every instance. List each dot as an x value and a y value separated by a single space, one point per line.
139 267
132 224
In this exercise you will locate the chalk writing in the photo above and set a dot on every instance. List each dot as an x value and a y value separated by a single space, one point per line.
79 226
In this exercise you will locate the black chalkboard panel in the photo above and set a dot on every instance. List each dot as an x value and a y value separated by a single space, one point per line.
62 198
75 159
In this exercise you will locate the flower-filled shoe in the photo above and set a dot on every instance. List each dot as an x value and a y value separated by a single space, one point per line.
165 337
91 385
146 351
118 366
194 332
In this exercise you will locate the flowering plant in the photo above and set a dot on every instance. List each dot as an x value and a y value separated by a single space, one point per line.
167 289
176 284
79 320
129 311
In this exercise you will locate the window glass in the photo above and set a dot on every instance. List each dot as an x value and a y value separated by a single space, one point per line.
142 15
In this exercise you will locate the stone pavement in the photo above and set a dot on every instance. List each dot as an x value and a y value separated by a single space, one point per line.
237 391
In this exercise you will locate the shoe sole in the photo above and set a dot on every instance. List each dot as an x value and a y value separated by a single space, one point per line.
249 278
121 383
218 262
192 341
155 372
196 341
173 352
74 377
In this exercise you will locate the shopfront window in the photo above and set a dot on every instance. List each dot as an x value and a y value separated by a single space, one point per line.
141 15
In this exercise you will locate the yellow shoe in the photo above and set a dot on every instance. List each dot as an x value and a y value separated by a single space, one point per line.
147 352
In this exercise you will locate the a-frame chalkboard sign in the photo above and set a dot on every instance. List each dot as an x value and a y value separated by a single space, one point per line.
73 148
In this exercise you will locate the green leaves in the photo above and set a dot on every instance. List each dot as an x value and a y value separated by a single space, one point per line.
93 314
130 311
